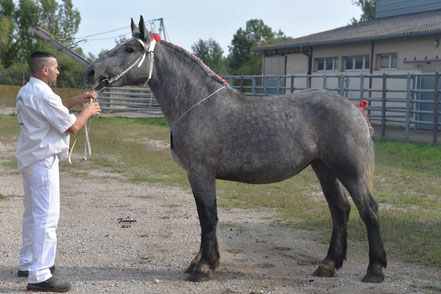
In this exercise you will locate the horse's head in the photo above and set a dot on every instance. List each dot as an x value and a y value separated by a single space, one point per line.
126 64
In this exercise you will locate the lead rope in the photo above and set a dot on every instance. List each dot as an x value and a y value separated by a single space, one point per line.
87 147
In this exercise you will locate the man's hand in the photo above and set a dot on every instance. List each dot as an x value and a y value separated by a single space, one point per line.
86 96
87 111
92 109
80 99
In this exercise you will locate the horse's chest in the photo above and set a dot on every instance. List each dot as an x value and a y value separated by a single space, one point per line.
179 160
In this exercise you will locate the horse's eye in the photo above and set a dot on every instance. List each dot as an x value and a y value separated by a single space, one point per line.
130 50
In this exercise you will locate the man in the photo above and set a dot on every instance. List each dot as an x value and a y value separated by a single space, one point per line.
45 125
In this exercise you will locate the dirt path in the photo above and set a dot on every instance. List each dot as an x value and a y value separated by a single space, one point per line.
257 256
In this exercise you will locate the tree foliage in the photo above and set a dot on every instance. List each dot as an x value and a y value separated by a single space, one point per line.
241 59
211 54
60 19
367 8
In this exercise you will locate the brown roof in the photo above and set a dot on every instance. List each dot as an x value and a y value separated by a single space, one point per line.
419 24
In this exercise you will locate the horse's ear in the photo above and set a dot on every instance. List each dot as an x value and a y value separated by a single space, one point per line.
144 34
135 30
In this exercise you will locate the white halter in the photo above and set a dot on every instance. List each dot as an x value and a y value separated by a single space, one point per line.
147 51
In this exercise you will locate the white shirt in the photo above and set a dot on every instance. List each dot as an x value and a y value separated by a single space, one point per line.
43 123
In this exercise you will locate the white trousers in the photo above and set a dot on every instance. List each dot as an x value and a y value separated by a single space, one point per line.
40 218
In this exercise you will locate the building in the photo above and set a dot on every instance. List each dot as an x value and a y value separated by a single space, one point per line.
404 38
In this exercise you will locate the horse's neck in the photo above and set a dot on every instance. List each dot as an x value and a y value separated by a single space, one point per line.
178 82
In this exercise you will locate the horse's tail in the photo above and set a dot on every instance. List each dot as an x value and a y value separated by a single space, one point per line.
369 171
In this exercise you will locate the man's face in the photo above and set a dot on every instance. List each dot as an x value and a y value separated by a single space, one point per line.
52 72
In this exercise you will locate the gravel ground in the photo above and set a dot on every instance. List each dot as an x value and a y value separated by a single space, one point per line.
98 255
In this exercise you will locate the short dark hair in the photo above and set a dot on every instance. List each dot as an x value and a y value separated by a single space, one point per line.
42 54
38 60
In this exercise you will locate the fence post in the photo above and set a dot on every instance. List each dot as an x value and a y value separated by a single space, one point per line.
325 81
264 85
347 80
241 84
253 85
278 78
308 81
361 87
408 103
341 85
292 83
383 107
435 109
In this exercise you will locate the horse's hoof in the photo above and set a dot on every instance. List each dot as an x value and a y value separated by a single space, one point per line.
190 269
371 277
324 271
198 277
200 274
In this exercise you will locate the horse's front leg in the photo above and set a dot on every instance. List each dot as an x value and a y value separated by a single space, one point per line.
204 191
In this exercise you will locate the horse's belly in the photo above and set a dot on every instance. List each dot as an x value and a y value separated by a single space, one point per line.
262 172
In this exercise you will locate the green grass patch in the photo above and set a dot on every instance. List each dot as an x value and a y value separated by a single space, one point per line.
12 164
2 196
8 128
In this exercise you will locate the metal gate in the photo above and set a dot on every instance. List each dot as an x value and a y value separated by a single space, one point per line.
128 99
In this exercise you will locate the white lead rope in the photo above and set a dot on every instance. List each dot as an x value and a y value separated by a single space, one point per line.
87 147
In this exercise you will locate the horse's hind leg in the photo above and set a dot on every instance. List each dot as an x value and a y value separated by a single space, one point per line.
368 209
204 191
340 209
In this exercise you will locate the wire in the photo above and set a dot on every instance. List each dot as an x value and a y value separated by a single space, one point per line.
85 37
152 21
101 39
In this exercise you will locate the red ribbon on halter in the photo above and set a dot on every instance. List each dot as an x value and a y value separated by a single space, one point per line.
362 105
156 37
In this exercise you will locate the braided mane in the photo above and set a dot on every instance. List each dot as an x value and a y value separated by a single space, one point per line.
197 60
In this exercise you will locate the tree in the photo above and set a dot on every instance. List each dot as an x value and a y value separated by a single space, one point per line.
241 59
16 44
7 50
211 54
368 10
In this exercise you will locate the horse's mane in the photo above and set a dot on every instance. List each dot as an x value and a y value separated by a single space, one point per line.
197 60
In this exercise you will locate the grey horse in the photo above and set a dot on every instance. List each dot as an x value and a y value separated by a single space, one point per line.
218 133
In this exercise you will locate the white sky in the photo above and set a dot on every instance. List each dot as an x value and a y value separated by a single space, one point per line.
187 21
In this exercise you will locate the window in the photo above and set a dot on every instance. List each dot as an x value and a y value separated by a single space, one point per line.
387 61
356 62
326 64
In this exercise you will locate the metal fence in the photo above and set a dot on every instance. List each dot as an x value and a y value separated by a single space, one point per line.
409 101
128 99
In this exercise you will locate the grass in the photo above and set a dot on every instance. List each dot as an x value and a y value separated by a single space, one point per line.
407 185
2 196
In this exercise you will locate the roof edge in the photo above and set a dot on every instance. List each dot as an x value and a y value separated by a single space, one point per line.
337 42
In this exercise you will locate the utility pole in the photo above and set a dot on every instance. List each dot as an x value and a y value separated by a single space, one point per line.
47 37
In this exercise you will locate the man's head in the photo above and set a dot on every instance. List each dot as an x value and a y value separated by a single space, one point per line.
43 65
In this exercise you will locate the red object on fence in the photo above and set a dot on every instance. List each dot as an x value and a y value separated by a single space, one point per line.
362 105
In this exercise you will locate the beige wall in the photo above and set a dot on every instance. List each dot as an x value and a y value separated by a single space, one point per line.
409 49
274 65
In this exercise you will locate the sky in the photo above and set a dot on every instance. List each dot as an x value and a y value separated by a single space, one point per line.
188 21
